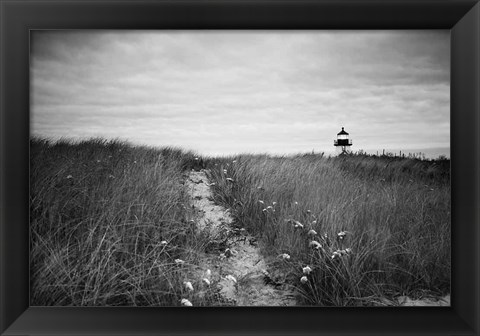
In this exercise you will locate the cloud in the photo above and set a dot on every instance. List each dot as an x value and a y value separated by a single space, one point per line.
232 91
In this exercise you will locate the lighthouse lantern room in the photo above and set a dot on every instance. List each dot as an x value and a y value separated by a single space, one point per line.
342 141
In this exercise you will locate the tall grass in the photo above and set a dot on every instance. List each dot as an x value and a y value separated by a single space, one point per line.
108 221
111 224
394 215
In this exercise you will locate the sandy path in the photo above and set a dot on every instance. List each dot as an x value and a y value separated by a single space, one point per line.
242 270
209 215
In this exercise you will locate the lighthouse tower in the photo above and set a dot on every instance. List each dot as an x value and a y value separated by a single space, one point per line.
342 141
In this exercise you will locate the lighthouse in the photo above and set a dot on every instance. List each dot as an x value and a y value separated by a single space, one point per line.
342 141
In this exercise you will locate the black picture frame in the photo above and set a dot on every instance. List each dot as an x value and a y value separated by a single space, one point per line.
17 17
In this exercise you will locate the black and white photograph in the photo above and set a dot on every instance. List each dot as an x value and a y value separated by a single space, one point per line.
240 168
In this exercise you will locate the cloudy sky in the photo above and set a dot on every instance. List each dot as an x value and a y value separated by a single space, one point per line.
245 91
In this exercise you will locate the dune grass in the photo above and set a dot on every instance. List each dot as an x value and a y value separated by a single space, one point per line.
381 225
108 223
111 224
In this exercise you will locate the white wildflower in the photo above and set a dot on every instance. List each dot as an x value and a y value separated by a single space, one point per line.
186 303
206 281
163 242
315 244
304 279
306 270
179 262
285 256
188 285
231 278
312 233
336 254
298 225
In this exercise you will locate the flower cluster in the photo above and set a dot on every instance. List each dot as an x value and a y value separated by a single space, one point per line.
206 280
324 250
225 173
339 253
269 208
